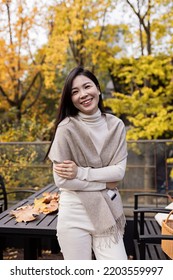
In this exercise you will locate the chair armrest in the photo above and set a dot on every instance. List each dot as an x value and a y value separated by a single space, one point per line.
142 212
152 210
151 238
148 194
21 191
151 194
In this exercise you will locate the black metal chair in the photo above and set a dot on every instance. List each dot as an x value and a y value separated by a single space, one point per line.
4 194
147 233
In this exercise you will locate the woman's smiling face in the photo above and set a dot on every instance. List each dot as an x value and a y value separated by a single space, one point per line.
85 95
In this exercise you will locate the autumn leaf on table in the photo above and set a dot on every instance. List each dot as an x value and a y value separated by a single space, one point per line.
50 196
50 207
47 204
39 204
25 213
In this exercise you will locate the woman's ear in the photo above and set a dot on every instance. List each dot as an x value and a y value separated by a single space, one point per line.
99 92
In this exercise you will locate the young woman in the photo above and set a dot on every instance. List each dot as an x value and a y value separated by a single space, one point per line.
89 155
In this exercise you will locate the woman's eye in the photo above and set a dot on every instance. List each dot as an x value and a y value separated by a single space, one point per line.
87 86
74 92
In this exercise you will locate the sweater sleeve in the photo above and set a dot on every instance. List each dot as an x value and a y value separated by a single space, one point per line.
77 185
112 173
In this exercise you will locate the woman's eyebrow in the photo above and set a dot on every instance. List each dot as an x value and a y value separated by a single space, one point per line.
87 83
74 88
82 85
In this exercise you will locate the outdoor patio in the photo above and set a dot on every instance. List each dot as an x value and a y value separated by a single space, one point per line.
148 170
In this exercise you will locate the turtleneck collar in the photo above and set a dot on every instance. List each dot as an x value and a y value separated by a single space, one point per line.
93 119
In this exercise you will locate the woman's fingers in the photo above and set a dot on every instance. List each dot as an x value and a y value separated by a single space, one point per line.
67 169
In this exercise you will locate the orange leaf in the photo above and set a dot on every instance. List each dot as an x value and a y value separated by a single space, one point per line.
50 196
50 207
46 204
25 213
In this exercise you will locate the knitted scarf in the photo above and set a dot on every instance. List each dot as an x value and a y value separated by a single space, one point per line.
72 142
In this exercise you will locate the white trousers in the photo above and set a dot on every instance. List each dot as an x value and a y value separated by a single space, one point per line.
76 237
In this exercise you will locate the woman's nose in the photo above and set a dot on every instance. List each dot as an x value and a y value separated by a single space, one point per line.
83 94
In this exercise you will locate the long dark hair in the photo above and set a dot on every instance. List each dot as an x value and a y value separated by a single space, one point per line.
66 107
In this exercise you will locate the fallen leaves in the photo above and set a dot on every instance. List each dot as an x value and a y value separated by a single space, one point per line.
25 213
46 204
50 207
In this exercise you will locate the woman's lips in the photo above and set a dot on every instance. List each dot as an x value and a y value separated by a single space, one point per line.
86 102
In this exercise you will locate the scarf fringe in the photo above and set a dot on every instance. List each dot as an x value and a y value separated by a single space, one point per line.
113 234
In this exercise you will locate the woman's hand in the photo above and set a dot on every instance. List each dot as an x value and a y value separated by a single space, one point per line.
111 185
67 169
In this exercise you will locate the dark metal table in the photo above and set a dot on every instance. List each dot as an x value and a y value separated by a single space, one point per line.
30 233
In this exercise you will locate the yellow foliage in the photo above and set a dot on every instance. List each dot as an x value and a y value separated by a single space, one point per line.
80 34
20 72
147 103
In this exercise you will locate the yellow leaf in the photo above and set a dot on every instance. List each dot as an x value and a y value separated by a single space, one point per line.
47 204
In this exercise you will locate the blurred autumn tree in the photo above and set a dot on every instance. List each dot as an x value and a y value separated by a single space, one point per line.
77 34
83 36
154 19
143 84
21 78
148 109
15 53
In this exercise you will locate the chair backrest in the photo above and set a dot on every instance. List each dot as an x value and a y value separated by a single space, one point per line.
3 195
